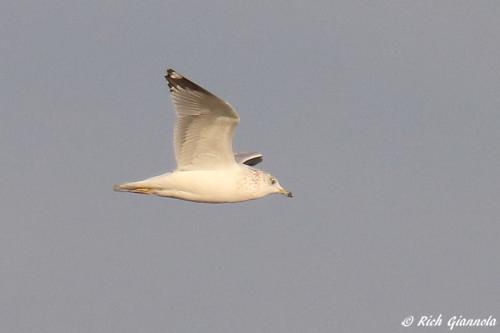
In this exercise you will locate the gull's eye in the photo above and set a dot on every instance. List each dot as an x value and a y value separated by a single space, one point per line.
273 181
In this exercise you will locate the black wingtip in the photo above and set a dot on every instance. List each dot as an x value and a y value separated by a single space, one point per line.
172 76
169 72
176 80
254 161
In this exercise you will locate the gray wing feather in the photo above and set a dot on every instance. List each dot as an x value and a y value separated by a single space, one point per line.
204 128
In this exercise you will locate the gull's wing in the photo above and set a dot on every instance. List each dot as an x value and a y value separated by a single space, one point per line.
250 159
203 134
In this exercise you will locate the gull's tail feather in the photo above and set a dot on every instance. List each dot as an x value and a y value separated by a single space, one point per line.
119 188
136 187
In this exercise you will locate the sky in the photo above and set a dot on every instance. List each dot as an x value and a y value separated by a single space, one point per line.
383 119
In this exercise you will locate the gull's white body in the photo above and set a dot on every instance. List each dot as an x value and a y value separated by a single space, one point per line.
239 183
207 169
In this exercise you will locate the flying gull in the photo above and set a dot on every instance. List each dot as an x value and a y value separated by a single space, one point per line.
207 169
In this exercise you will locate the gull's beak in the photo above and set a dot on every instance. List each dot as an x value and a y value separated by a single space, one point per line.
285 192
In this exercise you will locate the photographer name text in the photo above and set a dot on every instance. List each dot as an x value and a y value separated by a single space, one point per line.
453 322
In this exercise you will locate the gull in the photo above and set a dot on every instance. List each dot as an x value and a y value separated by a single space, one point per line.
207 169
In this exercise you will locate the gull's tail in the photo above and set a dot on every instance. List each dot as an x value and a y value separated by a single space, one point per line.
135 187
120 188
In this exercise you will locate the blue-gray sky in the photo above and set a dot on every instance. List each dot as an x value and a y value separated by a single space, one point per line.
382 117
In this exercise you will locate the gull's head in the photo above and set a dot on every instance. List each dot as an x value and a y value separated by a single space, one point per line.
270 184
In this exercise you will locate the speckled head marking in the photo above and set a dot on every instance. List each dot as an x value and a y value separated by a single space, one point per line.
258 181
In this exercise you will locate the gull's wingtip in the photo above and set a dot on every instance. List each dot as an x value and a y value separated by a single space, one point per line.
178 82
169 71
174 79
172 74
